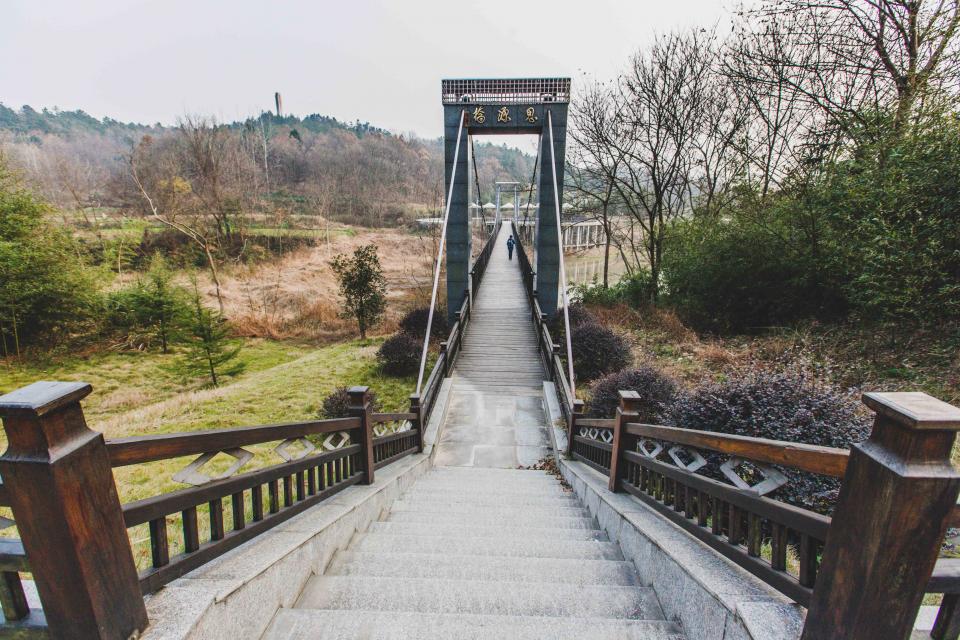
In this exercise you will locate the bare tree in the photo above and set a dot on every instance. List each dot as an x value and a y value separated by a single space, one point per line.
164 191
846 56
646 130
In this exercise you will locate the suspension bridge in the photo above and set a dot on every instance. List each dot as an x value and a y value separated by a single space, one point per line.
439 521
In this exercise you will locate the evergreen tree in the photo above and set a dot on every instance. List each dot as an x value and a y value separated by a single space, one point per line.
210 351
164 303
362 286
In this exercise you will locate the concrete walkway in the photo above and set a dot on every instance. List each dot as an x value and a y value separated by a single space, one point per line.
495 417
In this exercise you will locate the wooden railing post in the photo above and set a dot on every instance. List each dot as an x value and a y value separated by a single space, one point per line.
889 522
416 408
66 507
360 407
445 357
572 426
625 412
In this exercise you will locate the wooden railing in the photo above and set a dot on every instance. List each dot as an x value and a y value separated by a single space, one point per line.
863 572
73 530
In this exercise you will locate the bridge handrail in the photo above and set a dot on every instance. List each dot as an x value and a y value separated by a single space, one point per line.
59 484
904 469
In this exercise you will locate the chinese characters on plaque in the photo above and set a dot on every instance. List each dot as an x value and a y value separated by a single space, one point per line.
479 115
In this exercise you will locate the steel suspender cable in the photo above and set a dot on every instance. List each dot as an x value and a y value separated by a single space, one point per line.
443 240
563 272
476 178
533 178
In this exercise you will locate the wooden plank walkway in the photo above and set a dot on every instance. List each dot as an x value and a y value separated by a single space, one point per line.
495 417
499 351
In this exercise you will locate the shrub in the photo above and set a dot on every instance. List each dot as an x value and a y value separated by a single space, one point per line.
633 289
579 314
597 351
656 389
414 323
740 275
399 355
778 406
337 404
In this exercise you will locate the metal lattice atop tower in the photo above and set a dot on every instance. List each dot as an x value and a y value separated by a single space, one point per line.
512 91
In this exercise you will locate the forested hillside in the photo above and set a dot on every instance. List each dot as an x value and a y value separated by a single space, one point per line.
316 165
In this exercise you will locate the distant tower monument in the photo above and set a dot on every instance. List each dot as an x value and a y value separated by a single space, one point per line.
279 101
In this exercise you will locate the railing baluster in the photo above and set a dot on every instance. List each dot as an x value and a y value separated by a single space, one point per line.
735 527
191 530
159 544
754 535
256 498
274 488
778 547
287 491
216 519
947 625
238 506
808 560
716 525
12 598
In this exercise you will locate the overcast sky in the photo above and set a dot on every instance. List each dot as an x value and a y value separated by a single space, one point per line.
377 61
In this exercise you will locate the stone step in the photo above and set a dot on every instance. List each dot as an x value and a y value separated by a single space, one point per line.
499 532
327 624
452 488
461 567
480 519
479 472
519 547
502 513
465 597
419 496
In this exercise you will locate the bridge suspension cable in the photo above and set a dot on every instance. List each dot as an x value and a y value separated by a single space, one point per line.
443 241
476 179
563 271
533 178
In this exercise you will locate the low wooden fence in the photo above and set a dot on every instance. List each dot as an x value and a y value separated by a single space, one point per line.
862 573
57 478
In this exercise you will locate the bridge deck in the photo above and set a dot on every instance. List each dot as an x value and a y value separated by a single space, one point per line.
495 417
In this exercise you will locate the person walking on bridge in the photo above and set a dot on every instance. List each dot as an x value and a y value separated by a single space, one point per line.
510 243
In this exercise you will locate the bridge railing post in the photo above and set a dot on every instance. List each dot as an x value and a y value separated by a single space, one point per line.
578 408
61 489
625 412
444 357
889 522
361 407
417 408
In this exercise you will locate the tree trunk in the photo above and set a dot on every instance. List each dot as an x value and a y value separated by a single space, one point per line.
215 274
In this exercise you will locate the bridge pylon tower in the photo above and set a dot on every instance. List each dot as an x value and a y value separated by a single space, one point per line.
535 106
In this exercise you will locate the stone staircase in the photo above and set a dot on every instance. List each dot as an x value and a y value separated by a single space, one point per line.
475 553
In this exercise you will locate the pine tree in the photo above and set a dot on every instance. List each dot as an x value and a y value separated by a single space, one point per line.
210 350
164 304
362 286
